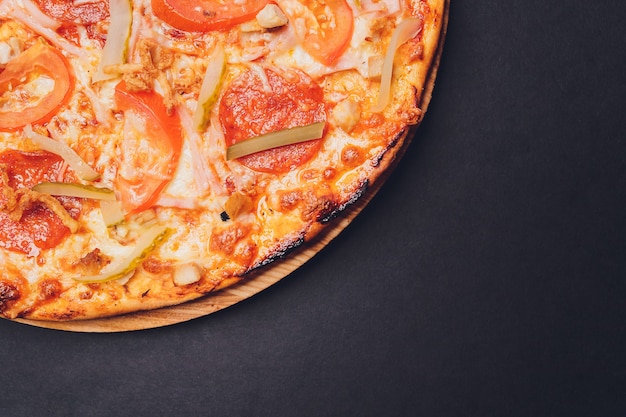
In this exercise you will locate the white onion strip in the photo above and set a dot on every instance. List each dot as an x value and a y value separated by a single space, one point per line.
116 45
50 34
38 16
407 29
202 174
82 169
102 113
112 212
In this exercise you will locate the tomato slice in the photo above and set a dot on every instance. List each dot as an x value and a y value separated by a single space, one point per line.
27 94
249 108
329 29
150 149
206 15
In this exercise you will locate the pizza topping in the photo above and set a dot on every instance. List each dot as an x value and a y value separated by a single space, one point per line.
406 30
237 204
149 239
75 190
141 76
91 263
209 90
26 169
151 147
229 240
255 105
43 26
347 114
38 229
375 66
35 85
277 139
12 37
186 274
82 169
206 15
27 199
38 11
271 16
29 220
324 28
112 212
116 46
84 12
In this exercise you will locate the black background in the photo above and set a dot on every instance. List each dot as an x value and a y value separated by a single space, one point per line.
487 278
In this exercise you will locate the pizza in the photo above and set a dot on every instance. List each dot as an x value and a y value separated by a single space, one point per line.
155 151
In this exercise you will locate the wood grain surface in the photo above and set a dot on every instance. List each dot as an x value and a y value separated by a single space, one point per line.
263 278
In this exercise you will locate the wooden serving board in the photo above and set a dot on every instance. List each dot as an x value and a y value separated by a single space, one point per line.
265 277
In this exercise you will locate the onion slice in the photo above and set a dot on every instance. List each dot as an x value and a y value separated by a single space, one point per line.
407 29
116 45
275 139
71 189
210 87
148 241
112 212
82 169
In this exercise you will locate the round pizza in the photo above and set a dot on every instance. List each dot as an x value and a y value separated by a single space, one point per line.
155 151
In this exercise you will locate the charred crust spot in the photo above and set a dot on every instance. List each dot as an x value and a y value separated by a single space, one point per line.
417 53
155 266
329 173
353 199
86 295
317 207
68 315
49 289
281 251
326 206
352 156
245 253
289 200
225 240
177 34
92 262
376 161
8 293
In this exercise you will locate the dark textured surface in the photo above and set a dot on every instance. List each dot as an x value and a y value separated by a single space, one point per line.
487 278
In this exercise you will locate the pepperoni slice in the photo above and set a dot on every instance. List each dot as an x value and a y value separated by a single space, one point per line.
253 105
70 13
67 11
39 227
26 169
